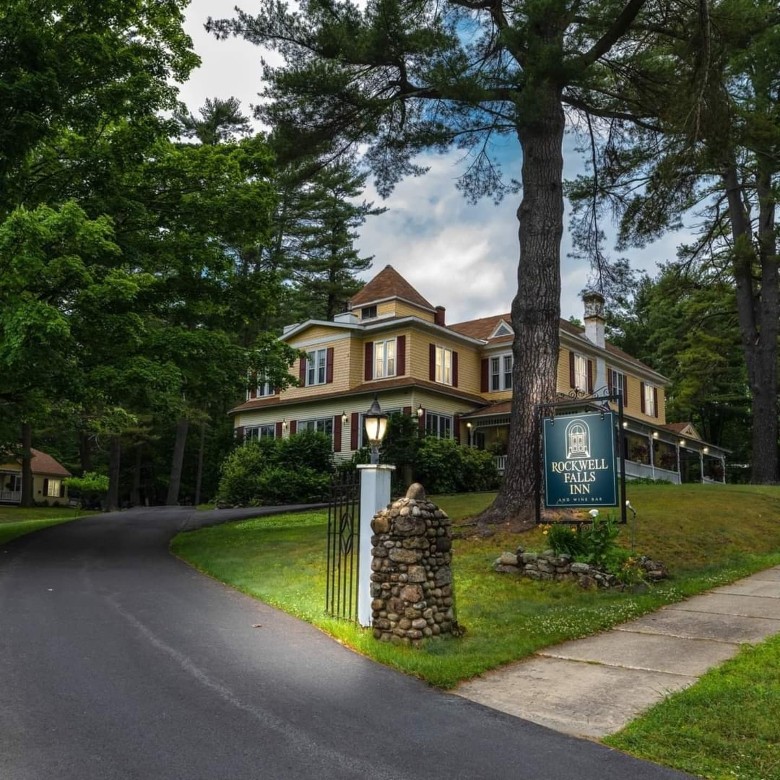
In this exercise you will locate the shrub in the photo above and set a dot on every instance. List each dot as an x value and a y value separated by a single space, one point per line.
277 485
443 466
278 471
565 539
307 449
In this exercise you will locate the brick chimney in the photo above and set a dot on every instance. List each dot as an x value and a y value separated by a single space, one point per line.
438 318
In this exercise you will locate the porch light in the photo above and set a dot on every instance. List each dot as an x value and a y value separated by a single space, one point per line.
682 442
284 423
655 434
376 426
344 417
468 425
706 450
420 411
625 425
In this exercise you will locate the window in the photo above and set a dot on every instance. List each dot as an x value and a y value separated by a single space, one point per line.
316 362
384 358
262 389
649 400
368 313
501 372
260 432
618 384
54 488
443 365
439 425
580 373
323 425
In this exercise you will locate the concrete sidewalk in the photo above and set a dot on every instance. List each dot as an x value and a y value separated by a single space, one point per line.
593 687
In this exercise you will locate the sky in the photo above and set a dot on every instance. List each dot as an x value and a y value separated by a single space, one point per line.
455 254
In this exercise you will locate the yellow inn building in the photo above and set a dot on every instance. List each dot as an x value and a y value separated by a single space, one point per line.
456 380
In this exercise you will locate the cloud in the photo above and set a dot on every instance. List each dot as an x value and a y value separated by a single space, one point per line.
457 255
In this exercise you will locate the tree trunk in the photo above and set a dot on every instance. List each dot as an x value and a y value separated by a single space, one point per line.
135 490
536 307
199 474
758 310
85 452
174 485
114 460
28 498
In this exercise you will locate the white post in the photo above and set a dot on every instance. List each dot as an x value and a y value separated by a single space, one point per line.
374 495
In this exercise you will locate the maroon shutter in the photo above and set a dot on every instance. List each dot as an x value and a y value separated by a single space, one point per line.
485 378
239 433
421 424
354 430
278 432
407 411
302 372
655 402
590 376
45 486
456 427
400 356
642 396
293 427
329 366
454 368
625 390
571 370
432 362
609 380
336 433
369 361
62 490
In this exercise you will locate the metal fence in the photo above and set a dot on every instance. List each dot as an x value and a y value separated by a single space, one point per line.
343 547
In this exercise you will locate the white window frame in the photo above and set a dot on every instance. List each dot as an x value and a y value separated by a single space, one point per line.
439 425
321 424
262 390
443 373
256 432
501 372
385 358
316 367
650 409
580 373
616 381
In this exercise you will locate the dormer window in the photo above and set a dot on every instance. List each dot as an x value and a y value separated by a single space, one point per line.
368 313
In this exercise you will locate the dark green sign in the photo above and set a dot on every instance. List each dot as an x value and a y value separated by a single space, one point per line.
579 460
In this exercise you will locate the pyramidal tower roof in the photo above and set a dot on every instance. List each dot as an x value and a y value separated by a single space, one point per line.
388 283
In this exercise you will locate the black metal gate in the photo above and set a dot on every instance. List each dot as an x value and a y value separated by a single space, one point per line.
343 547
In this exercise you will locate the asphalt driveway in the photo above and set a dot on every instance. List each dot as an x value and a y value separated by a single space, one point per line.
119 661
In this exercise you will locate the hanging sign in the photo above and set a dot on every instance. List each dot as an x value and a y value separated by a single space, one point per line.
579 460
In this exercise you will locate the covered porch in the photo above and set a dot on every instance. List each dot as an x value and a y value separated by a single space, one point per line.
670 453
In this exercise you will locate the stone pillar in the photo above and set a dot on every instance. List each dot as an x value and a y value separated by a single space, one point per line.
375 482
411 580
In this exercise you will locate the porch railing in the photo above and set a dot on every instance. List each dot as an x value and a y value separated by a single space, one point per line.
10 496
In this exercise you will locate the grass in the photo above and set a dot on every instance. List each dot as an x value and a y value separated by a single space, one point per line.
727 725
17 521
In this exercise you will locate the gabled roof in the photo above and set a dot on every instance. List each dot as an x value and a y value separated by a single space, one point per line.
483 328
388 283
683 428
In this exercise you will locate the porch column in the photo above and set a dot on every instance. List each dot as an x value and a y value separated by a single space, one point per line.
652 456
701 466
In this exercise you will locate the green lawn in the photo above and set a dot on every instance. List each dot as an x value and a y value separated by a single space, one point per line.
16 521
725 726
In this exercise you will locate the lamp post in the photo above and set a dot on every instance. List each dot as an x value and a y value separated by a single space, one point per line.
374 495
376 427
